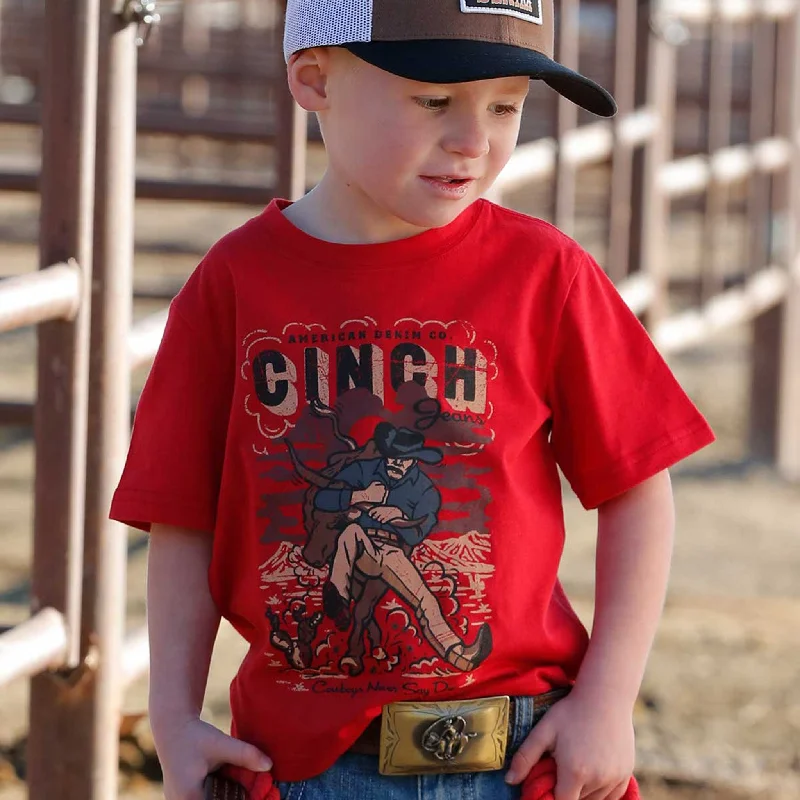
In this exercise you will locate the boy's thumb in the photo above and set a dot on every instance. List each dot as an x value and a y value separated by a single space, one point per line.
241 754
530 752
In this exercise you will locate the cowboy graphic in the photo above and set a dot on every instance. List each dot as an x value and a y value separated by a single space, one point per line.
390 505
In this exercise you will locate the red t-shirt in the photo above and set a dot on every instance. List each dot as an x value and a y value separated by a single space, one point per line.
372 433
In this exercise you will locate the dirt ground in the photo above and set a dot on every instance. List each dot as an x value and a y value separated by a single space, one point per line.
719 714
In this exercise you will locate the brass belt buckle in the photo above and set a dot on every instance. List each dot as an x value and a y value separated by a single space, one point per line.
451 736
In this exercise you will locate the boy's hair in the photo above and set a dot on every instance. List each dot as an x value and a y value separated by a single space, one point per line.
445 41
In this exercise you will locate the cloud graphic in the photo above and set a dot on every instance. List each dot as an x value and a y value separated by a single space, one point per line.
266 431
256 333
262 337
466 327
303 326
306 579
367 322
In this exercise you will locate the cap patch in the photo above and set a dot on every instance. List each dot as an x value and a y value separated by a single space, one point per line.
528 10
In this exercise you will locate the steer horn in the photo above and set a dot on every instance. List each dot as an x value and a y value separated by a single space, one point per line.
310 475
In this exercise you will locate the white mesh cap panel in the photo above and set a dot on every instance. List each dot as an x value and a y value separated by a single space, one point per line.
315 23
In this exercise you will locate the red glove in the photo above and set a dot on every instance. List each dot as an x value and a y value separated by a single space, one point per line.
541 782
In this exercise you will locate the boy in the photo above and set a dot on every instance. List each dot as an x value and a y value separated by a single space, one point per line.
348 446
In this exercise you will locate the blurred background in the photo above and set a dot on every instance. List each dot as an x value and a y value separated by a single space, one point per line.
690 201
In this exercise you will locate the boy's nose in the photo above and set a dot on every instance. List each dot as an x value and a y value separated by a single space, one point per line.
469 139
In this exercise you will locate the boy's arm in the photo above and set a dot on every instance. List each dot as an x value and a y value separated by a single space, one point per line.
635 535
183 622
590 732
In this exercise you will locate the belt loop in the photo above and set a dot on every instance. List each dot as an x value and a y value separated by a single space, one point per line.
522 722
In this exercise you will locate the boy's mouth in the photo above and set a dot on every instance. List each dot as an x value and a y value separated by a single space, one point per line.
450 179
452 187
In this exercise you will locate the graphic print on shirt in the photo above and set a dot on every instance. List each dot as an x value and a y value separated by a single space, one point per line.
377 551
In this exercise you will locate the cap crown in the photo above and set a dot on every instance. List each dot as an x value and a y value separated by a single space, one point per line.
524 23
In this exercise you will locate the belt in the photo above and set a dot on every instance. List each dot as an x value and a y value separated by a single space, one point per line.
444 730
385 536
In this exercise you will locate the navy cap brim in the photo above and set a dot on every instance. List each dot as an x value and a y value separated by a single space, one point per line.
461 60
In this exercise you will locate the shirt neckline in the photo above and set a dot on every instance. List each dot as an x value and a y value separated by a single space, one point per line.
418 249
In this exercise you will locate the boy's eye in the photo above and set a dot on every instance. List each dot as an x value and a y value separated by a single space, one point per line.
505 109
433 103
440 103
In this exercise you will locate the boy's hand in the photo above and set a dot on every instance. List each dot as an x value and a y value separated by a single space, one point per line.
592 744
193 749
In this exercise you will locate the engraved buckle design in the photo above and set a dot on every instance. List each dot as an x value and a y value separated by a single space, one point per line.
447 738
453 736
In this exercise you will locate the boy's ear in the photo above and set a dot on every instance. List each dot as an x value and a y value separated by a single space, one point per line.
307 73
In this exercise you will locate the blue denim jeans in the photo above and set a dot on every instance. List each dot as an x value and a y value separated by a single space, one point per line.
357 777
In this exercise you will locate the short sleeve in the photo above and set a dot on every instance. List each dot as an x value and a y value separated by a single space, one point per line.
619 415
174 466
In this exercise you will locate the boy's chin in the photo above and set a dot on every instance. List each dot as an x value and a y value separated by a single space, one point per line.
427 215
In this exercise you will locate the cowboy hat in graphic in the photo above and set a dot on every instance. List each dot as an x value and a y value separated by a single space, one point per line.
404 443
445 41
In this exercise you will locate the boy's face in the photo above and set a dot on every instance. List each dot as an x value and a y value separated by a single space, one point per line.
414 155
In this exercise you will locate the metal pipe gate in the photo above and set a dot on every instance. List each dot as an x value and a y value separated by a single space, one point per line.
73 645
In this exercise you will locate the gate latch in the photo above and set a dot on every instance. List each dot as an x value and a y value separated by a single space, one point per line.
142 13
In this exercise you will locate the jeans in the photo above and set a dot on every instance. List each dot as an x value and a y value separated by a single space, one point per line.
356 777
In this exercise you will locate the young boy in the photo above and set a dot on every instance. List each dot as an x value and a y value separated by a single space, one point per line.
349 441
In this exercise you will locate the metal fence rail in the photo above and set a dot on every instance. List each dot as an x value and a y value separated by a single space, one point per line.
51 293
37 644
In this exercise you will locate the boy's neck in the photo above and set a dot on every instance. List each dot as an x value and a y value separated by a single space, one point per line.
342 214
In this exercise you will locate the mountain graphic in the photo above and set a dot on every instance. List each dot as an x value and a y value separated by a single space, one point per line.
287 564
467 552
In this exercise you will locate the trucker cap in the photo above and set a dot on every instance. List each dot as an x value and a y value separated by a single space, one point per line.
445 41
